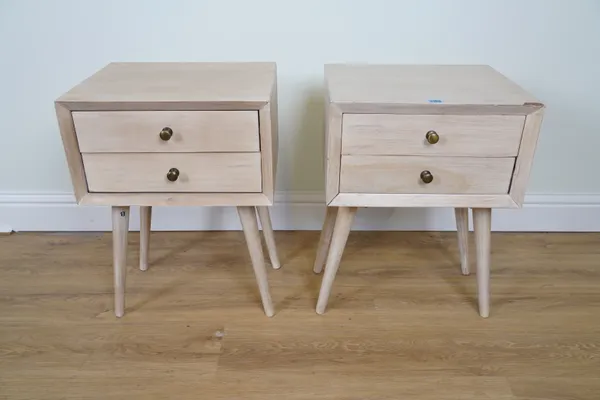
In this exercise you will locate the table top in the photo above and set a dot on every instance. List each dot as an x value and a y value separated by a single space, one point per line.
423 85
215 83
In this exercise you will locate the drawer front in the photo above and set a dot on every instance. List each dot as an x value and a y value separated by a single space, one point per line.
402 174
200 172
192 131
459 135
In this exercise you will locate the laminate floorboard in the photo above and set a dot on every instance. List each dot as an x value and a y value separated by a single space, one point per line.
401 321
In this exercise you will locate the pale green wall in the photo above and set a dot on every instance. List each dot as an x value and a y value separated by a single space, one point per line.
552 48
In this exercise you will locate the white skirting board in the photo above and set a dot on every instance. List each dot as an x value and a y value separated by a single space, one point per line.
296 211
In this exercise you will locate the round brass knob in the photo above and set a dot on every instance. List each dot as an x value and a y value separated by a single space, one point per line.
173 174
432 137
166 133
426 177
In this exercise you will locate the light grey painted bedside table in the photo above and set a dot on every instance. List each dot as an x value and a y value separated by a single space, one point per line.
424 136
175 134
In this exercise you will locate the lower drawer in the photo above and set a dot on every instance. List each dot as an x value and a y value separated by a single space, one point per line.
188 172
409 174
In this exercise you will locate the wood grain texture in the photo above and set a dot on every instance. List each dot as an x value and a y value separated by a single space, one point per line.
462 229
471 85
422 200
72 152
436 109
459 135
482 225
325 239
199 172
120 222
401 321
250 228
264 217
333 150
222 99
343 224
266 153
563 388
193 131
273 123
401 174
174 86
531 132
176 199
145 230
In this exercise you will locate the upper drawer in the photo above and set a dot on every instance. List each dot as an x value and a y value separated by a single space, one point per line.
168 172
192 131
459 135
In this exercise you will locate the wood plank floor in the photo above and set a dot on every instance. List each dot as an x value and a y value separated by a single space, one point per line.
401 322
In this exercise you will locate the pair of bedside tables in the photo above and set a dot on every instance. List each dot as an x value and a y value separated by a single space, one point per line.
205 134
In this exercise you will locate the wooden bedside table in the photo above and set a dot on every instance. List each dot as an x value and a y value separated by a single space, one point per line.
175 134
424 136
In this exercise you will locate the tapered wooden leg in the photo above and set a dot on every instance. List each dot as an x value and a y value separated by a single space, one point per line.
325 239
462 227
267 228
120 220
343 223
145 228
250 227
482 222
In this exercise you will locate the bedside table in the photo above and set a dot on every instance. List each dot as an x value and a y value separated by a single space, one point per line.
175 134
424 136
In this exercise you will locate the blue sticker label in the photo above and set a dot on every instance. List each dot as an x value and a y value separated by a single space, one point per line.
435 101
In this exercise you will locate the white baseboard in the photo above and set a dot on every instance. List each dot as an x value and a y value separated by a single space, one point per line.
295 211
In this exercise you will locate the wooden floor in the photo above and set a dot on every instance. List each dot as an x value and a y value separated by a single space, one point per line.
401 323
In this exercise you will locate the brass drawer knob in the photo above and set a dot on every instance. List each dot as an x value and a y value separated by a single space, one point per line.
432 137
166 133
426 177
173 174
